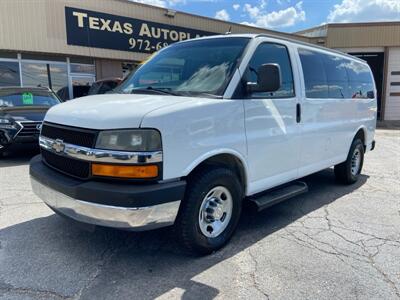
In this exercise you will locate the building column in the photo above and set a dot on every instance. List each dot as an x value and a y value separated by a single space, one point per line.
108 69
385 80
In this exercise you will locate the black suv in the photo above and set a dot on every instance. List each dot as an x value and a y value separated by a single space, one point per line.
22 110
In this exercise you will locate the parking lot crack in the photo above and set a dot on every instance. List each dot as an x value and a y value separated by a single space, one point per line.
365 255
7 288
385 276
104 259
253 275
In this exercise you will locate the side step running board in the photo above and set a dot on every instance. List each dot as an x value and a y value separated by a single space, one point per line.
279 194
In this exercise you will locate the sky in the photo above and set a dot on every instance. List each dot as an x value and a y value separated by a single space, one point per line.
287 15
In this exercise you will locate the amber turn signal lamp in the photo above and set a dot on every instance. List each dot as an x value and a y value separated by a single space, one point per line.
150 171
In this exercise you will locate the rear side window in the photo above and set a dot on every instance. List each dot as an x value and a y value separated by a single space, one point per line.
360 80
336 75
316 82
272 53
329 76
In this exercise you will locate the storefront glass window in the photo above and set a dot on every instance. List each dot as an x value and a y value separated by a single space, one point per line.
50 75
127 68
59 78
9 74
42 57
81 68
34 74
68 78
8 54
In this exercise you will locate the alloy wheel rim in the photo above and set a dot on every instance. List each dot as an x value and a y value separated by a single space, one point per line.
355 162
215 211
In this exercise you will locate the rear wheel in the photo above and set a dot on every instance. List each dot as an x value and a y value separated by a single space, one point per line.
210 211
349 171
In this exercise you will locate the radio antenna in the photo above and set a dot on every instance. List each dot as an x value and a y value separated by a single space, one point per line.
229 30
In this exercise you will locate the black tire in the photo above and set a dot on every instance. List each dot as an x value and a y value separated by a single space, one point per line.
187 224
343 171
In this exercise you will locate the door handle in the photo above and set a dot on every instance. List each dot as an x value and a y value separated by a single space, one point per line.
298 113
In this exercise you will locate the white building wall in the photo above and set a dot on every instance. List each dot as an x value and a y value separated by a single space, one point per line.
392 107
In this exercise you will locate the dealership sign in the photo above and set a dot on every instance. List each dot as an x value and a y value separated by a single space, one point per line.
100 30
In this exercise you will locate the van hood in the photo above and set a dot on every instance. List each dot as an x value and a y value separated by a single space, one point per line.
109 111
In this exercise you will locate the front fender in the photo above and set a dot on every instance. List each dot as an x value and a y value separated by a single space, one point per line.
193 131
216 152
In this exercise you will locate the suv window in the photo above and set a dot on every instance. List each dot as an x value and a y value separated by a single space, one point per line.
315 79
27 97
272 53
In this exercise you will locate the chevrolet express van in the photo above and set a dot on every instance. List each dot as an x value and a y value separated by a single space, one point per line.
202 127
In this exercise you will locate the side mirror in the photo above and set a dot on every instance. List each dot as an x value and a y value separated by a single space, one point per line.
268 79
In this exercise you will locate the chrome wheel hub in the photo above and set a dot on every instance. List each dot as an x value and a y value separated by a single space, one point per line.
215 211
355 162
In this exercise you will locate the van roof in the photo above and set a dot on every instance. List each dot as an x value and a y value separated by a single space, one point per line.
291 40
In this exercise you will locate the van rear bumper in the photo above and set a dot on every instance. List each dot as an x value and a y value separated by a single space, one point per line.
118 205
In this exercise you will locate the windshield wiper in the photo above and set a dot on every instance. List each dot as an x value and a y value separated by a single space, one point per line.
161 90
199 94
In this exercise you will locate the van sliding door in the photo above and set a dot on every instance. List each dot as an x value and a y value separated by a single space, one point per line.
328 111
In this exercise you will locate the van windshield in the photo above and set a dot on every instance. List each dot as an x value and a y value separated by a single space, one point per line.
191 68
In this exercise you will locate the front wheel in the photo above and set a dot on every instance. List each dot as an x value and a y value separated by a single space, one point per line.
349 171
210 211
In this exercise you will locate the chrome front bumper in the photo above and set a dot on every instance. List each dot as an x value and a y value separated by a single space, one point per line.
140 218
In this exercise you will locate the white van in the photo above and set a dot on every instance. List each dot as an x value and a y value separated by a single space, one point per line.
203 126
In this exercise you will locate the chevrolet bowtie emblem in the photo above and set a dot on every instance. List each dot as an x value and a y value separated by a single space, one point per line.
58 146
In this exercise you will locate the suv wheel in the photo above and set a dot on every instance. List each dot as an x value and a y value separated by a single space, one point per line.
210 211
349 171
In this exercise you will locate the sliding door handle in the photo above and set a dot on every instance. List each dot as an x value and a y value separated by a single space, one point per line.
298 113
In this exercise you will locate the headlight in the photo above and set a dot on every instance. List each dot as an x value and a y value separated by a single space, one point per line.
129 140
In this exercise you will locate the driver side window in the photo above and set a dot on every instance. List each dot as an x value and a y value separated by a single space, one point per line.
272 53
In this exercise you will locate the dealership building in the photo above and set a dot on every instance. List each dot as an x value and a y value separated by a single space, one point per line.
66 44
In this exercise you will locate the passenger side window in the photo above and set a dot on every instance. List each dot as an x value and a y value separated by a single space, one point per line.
336 74
316 82
334 77
272 53
360 80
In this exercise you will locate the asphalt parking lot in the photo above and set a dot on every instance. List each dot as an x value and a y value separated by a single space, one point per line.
335 242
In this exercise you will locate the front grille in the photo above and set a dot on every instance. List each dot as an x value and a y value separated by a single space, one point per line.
70 135
29 129
69 166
